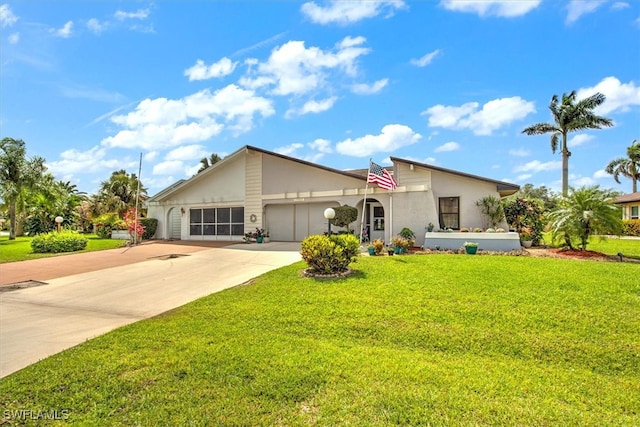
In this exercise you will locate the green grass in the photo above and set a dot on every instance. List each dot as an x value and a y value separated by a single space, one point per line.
609 245
20 248
408 340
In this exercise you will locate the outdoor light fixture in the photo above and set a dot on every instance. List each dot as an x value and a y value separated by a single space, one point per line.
329 214
59 220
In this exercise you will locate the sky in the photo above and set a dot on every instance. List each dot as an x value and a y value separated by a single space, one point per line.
92 86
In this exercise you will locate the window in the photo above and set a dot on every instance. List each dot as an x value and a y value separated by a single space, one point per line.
634 212
449 212
216 222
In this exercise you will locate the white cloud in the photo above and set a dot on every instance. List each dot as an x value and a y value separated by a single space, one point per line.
493 115
577 8
312 106
161 122
426 59
7 17
619 5
501 8
447 146
538 166
200 71
96 26
519 152
187 152
579 139
620 96
346 12
93 160
169 167
390 139
65 32
523 177
600 174
14 38
289 150
321 145
579 181
293 69
366 89
140 14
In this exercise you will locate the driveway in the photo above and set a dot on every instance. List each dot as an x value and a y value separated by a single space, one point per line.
39 321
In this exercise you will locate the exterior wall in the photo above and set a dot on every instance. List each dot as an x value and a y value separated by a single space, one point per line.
626 210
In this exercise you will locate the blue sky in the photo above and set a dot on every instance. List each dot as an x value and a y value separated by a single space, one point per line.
91 85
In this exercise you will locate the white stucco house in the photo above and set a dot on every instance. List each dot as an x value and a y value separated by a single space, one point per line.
630 204
287 196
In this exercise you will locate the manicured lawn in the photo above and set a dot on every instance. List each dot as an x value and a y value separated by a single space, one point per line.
20 248
408 340
609 245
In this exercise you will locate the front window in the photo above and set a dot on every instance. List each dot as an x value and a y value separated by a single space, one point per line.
216 222
634 212
449 212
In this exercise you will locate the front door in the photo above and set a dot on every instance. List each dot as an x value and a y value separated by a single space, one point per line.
375 221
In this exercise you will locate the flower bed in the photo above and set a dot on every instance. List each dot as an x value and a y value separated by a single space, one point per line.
503 242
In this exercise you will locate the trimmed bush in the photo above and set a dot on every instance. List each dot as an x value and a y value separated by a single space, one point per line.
54 242
107 222
150 226
330 254
631 227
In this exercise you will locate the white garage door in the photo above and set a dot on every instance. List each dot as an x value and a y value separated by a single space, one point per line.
292 223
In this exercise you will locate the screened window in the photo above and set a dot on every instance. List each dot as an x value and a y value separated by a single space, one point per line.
449 212
216 222
634 212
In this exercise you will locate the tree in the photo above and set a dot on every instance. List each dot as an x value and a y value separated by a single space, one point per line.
569 115
17 175
525 214
629 166
207 162
542 193
118 193
491 207
345 215
585 212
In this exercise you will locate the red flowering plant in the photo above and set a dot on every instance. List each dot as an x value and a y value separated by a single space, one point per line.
133 223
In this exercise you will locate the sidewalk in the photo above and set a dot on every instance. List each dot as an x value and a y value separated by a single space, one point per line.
39 321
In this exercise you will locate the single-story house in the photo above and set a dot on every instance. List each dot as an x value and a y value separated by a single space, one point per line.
253 187
630 204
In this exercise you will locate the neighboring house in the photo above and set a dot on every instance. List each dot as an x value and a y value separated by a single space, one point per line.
286 196
630 204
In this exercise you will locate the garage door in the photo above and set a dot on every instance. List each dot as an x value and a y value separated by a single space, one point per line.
292 223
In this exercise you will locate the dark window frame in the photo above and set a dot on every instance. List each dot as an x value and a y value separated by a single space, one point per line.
231 223
449 216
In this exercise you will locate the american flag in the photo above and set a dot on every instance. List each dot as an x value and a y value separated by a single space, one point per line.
380 176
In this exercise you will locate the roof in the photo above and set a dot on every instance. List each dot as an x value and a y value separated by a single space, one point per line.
631 197
504 188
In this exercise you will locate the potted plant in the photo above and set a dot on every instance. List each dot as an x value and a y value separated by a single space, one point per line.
400 244
259 235
430 227
390 250
526 237
377 246
266 237
371 249
471 247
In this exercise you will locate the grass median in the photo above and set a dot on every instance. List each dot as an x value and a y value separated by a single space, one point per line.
407 340
20 248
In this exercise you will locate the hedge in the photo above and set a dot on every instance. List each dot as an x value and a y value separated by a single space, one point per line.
330 254
631 227
54 242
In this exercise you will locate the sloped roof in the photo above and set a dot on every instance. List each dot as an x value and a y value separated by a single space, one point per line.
631 197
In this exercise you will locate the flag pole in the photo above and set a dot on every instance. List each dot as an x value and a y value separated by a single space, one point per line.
364 203
135 230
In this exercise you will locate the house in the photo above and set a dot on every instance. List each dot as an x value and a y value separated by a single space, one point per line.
253 188
630 204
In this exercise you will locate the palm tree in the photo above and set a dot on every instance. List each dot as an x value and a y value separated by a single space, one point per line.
584 212
17 176
118 193
629 166
207 162
570 115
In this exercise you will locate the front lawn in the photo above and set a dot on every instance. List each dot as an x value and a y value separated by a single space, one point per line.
20 248
407 340
606 245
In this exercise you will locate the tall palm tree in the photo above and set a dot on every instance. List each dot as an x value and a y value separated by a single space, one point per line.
17 175
569 115
207 162
584 212
118 193
629 166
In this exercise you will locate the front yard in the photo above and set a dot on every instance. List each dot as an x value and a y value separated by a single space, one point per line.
407 340
20 248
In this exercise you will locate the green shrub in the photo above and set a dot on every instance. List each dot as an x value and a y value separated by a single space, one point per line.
150 226
631 227
330 254
107 222
54 242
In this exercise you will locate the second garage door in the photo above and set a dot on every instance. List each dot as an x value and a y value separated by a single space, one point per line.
292 223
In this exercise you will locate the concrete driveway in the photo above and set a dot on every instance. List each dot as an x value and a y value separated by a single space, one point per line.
39 321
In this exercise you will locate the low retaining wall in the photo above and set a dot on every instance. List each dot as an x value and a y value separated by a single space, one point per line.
502 242
120 234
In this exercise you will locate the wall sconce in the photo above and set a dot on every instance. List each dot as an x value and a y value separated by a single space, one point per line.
182 211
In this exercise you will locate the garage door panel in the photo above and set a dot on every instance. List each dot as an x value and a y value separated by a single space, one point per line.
279 222
295 222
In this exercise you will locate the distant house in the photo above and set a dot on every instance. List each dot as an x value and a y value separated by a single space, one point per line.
630 205
287 196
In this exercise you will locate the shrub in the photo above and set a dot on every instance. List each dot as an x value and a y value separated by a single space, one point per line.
330 254
492 209
107 222
525 213
631 227
345 215
150 226
377 246
54 242
34 225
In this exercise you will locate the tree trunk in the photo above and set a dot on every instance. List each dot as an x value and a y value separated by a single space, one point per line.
634 185
565 166
12 220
